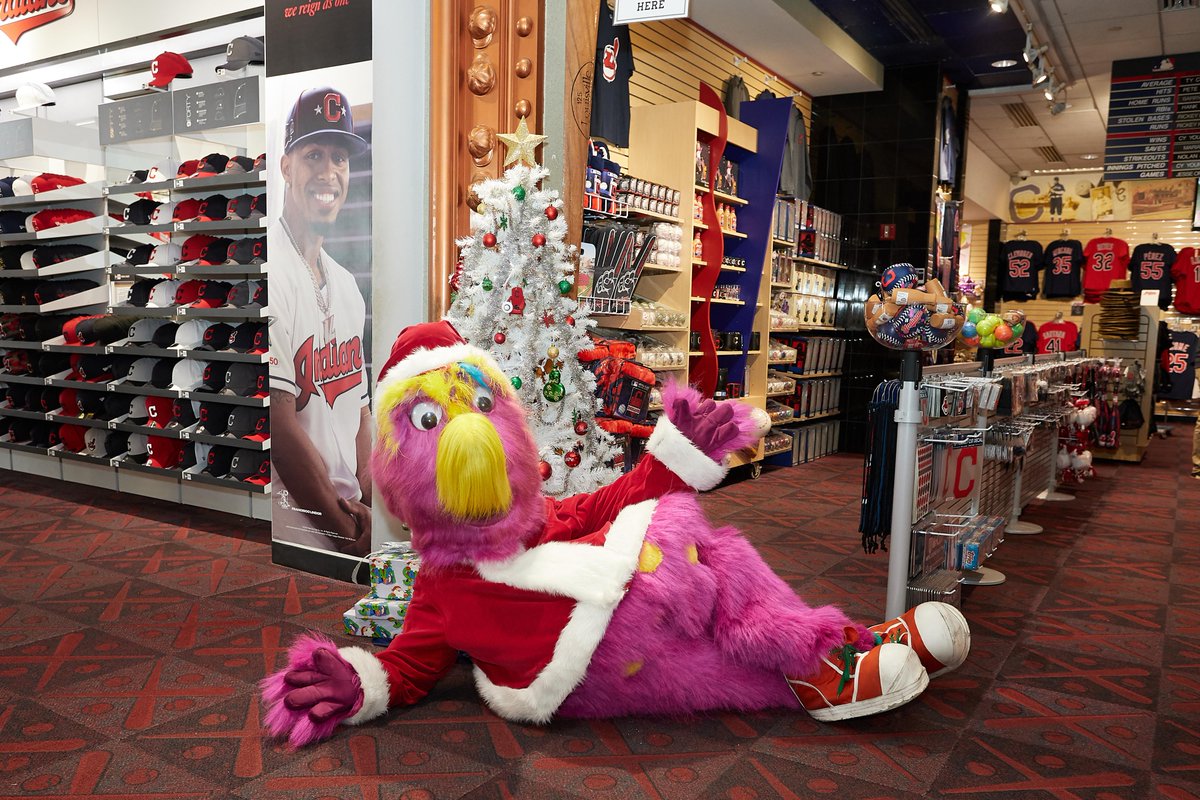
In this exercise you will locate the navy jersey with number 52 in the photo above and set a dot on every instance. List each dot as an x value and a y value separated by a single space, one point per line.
1061 268
1019 265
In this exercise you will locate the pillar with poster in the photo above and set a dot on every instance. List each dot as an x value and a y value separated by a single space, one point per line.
319 90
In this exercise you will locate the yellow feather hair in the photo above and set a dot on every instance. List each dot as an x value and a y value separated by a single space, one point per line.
451 387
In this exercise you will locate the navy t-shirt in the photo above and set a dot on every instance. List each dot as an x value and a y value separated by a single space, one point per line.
1019 265
1150 268
1179 362
1062 268
610 80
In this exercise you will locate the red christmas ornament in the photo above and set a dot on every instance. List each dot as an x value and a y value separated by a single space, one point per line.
499 338
571 321
547 319
580 427
538 240
489 240
571 459
551 213
544 470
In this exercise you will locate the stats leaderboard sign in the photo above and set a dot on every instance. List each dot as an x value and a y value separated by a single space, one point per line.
1154 118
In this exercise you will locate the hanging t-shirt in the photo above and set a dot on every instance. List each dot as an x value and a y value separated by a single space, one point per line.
1107 261
1025 344
1061 268
610 80
1179 364
1059 336
948 152
1150 268
1186 273
1019 264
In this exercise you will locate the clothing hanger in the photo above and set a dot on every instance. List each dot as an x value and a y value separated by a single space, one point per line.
1021 236
1058 315
1064 233
1108 231
738 61
1154 236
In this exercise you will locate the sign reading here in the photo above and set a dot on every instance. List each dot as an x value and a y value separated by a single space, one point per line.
627 11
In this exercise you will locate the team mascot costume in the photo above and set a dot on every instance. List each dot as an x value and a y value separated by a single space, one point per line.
625 601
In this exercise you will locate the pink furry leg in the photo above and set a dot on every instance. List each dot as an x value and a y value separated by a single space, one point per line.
309 698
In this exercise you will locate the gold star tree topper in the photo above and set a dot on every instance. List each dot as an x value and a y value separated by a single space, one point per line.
521 145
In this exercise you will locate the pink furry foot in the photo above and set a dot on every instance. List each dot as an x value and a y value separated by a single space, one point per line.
318 690
717 429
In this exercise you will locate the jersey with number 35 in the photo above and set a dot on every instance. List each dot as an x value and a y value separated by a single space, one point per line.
1061 267
1186 273
1107 261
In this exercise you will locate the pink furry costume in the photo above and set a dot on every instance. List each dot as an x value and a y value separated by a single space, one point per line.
622 601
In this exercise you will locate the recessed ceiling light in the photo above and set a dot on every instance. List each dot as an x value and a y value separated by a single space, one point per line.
818 74
1116 28
1089 156
998 6
1005 62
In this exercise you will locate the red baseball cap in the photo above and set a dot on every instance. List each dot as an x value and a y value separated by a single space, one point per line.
159 411
186 210
53 217
167 67
48 181
188 168
69 400
71 437
164 453
194 247
188 292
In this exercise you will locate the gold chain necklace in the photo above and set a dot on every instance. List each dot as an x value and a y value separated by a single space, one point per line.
322 299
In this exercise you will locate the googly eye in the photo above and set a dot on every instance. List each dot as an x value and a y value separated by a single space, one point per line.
426 416
484 400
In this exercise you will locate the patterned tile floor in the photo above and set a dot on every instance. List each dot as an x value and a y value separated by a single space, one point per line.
132 634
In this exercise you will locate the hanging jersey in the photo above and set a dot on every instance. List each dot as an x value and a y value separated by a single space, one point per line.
1150 268
610 80
1025 344
1186 273
1179 364
1019 265
1107 261
1059 336
1061 268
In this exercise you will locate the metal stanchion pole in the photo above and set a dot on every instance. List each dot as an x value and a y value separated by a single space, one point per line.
908 422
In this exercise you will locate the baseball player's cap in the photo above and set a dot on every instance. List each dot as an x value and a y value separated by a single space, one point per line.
219 461
252 424
251 466
164 336
158 410
249 337
322 112
140 255
142 332
186 210
211 164
49 181
214 377
184 414
34 95
188 292
163 453
239 207
139 291
93 442
190 334
246 380
213 294
213 208
17 396
187 374
163 213
165 255
140 212
163 294
214 418
239 165
18 429
248 251
216 336
54 217
195 248
196 454
95 368
115 407
216 252
167 67
242 51
121 365
241 294
71 437
17 293
142 371
164 372
139 412
97 329
137 176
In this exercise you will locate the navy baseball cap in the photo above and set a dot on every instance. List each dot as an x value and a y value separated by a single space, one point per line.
323 111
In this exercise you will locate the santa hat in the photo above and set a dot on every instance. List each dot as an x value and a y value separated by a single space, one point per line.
428 346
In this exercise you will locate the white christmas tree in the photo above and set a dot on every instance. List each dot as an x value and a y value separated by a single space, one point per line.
514 301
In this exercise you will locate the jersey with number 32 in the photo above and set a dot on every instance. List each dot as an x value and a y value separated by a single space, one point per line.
1107 261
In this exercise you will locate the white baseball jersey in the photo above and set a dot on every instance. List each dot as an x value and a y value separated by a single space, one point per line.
321 362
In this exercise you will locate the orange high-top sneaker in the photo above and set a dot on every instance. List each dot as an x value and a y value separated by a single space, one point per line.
937 632
853 684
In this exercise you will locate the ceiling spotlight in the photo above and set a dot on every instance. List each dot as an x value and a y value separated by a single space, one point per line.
1053 86
1004 62
1031 52
1039 74
998 6
1058 108
1089 156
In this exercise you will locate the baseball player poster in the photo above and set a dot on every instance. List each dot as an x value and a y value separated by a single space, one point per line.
319 102
1087 197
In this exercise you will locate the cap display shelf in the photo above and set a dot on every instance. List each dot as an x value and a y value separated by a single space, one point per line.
97 296
141 351
92 262
192 226
21 413
84 191
196 475
19 344
177 313
190 435
19 447
24 380
86 422
240 180
59 345
188 394
192 270
92 226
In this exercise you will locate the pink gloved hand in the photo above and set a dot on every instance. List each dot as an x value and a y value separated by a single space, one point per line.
316 691
715 428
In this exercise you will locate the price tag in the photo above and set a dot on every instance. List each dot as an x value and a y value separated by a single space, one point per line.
185 434
179 183
112 425
178 226
187 476
1150 297
181 269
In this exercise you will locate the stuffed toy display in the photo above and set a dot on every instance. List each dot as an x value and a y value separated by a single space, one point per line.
624 601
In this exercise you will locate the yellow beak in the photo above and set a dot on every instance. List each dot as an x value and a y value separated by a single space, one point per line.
472 473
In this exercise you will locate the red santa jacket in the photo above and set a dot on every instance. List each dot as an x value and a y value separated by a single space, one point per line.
531 623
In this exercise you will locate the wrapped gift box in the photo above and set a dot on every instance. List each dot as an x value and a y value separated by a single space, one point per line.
375 618
393 569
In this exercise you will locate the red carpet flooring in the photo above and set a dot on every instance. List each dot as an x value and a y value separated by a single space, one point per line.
132 634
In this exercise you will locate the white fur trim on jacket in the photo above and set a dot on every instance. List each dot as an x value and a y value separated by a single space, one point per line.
678 454
424 360
553 571
373 679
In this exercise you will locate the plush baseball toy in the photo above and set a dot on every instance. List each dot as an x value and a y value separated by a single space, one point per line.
622 601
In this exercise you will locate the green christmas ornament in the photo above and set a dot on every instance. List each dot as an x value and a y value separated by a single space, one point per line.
487 284
519 192
564 286
516 381
553 392
555 376
503 223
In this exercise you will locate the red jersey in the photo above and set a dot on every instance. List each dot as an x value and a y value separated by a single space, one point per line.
1186 272
1059 336
1107 261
